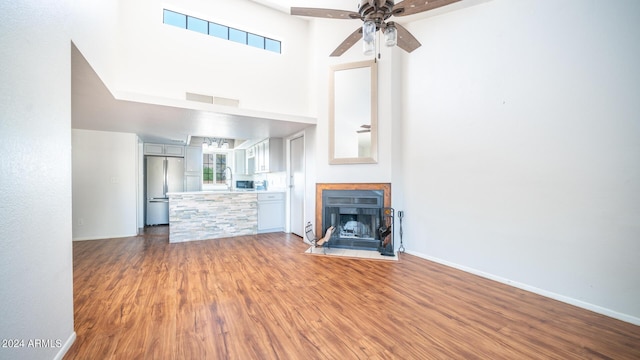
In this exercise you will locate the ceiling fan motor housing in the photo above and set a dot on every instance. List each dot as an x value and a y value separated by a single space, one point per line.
376 10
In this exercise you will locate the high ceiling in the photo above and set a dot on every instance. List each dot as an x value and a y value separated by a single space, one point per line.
161 120
285 6
173 121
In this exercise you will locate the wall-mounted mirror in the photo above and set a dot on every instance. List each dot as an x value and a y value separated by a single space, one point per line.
353 113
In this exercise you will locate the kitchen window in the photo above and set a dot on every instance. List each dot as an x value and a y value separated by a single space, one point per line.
215 174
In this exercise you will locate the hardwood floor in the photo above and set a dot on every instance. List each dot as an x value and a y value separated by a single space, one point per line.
260 297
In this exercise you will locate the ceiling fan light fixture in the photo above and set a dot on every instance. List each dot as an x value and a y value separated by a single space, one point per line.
368 47
390 35
368 30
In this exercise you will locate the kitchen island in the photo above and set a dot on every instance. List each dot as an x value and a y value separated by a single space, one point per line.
202 215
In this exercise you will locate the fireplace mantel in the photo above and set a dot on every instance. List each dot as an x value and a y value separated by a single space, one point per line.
385 187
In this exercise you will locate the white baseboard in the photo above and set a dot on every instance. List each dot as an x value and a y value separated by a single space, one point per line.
66 346
565 299
103 237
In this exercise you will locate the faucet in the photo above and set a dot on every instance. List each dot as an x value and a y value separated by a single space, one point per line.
230 186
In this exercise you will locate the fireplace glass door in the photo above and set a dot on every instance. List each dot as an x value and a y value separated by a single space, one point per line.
356 216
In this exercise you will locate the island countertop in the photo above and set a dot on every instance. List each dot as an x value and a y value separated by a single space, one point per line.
234 191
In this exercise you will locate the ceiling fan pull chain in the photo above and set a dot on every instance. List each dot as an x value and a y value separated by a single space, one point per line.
378 45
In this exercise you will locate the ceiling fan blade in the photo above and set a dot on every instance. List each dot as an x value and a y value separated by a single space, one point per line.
406 41
325 13
348 42
410 7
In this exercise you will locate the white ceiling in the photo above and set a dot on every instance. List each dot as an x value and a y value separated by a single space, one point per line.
94 107
352 5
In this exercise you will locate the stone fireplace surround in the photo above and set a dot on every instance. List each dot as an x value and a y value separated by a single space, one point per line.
348 188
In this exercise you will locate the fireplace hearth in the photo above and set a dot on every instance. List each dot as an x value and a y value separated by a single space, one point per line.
357 211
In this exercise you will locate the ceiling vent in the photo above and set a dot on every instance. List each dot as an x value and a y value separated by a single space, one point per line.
208 99
200 98
226 101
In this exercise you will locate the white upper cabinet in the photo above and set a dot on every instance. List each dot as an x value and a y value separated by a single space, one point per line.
193 168
193 159
269 155
163 150
240 162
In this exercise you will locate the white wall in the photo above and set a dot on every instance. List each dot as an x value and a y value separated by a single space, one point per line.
95 34
35 178
522 147
134 53
326 36
167 61
105 184
514 150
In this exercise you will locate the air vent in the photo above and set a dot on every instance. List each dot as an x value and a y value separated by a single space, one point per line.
200 98
226 102
208 99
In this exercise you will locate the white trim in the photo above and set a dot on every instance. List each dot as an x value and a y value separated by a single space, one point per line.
288 140
565 299
104 237
66 346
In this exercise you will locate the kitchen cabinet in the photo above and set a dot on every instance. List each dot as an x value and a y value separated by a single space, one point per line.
173 150
260 165
251 152
193 168
193 159
270 212
163 150
250 162
269 155
240 162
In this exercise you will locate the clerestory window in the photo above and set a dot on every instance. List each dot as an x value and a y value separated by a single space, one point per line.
220 31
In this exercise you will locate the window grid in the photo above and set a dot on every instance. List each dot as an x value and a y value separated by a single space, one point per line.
213 168
207 169
197 25
238 36
256 41
174 18
220 31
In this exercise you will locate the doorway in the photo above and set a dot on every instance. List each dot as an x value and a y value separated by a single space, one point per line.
296 184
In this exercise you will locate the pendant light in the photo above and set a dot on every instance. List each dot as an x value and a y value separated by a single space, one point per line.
368 37
391 35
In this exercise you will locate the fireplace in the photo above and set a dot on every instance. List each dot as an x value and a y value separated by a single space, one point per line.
355 210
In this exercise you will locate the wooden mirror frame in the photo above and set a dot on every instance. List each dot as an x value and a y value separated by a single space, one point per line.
334 118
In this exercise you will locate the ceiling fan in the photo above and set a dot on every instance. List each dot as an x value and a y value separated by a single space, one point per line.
374 14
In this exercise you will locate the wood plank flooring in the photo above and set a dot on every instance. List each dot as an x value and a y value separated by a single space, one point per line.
260 297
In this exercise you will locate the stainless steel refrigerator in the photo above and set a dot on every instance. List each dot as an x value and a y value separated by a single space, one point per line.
163 175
